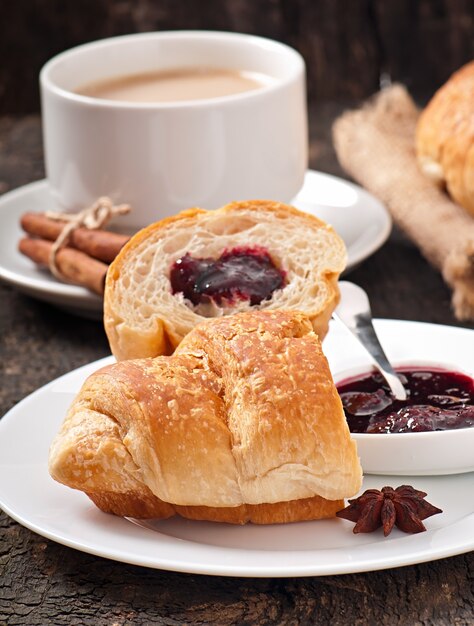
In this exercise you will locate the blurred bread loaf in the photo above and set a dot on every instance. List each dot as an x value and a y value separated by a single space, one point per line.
142 315
243 423
445 137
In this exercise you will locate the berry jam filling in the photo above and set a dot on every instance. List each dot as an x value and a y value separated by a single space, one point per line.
436 400
243 273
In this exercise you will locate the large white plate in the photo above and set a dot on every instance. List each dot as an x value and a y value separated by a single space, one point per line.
360 219
30 496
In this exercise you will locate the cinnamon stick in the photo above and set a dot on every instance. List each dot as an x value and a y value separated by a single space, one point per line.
76 266
100 244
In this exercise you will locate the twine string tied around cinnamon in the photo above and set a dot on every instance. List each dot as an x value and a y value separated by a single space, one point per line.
92 217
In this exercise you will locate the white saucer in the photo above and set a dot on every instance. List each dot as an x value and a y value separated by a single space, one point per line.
30 496
360 219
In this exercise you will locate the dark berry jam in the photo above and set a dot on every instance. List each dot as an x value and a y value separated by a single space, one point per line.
244 273
436 400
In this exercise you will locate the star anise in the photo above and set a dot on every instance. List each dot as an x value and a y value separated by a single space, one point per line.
404 507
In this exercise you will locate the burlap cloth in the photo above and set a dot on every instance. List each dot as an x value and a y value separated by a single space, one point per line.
375 145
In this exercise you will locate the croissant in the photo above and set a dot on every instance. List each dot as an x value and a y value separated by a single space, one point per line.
445 137
143 317
243 423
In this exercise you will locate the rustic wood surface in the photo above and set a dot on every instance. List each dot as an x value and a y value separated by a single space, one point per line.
347 44
43 583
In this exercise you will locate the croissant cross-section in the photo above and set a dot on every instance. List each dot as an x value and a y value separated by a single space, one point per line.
147 312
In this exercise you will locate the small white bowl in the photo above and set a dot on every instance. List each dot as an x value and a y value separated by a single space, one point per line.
409 344
420 453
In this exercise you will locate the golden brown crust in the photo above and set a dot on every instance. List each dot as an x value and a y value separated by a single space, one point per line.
128 505
445 137
277 513
242 420
161 333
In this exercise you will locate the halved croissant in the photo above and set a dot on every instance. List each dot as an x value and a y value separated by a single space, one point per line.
144 318
243 423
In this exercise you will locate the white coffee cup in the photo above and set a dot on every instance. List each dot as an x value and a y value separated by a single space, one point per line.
164 157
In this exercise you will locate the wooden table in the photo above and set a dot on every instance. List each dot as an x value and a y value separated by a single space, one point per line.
44 583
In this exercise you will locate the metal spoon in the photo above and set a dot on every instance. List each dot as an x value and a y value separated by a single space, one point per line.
354 312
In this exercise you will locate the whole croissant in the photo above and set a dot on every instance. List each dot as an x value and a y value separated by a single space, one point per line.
243 423
445 137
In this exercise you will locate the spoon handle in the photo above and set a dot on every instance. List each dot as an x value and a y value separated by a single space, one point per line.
363 329
355 314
